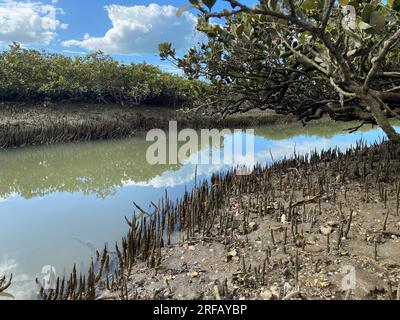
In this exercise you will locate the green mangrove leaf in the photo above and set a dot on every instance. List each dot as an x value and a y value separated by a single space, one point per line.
395 4
377 21
164 47
311 4
356 38
351 52
240 29
355 4
364 26
273 4
366 13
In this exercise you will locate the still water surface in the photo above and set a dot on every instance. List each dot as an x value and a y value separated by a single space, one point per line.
59 203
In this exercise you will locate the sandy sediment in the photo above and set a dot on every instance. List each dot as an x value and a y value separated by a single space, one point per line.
321 226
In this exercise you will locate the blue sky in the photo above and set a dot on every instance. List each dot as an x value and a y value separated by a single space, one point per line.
128 30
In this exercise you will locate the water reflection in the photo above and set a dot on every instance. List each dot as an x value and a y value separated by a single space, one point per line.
100 168
91 168
57 203
96 168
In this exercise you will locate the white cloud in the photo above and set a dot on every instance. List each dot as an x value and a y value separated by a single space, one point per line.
28 22
139 30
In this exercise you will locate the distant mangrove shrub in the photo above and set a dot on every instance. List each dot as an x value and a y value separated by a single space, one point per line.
28 75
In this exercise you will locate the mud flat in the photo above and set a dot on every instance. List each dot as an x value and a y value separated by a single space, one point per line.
26 125
321 226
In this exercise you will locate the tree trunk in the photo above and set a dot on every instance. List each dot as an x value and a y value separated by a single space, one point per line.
380 117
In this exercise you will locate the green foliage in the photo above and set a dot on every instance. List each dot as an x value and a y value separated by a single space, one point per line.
304 57
30 75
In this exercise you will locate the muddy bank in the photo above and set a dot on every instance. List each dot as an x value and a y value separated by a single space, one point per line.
25 125
290 231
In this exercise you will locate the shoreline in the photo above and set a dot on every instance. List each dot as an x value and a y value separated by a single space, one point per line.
28 125
283 232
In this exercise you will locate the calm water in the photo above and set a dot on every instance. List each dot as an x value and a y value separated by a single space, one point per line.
59 203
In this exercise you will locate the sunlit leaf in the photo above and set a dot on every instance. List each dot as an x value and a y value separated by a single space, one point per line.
311 4
273 4
351 52
364 26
